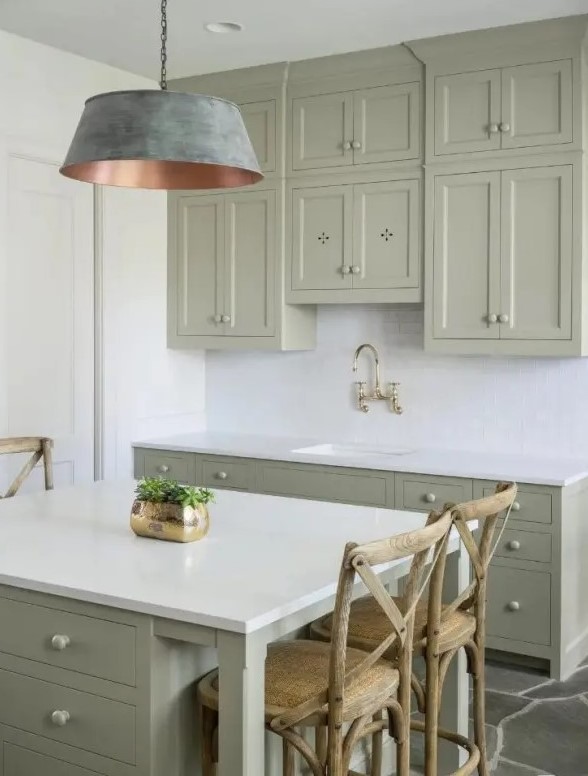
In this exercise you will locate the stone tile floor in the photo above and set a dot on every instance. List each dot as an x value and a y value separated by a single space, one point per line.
536 726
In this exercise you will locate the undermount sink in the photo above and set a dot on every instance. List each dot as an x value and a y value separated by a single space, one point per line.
353 451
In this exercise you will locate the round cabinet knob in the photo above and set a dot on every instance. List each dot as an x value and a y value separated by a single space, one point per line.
345 269
221 475
163 468
218 318
355 269
347 145
356 145
516 507
493 128
60 717
492 318
430 498
513 606
504 127
503 318
225 318
60 641
514 545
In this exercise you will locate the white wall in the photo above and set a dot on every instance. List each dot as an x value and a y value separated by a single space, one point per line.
535 406
148 390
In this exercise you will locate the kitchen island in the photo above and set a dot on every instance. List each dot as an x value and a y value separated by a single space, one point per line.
103 634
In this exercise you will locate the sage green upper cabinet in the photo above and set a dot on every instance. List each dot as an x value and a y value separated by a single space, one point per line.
260 121
367 126
356 242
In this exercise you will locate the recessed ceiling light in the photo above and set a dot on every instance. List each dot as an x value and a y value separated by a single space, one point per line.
223 27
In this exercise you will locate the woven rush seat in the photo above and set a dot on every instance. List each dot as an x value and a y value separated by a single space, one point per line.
368 625
298 670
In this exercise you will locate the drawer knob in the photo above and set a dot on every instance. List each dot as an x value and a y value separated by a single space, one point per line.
163 468
218 318
221 475
492 318
516 507
504 127
503 318
356 145
513 606
226 318
60 641
514 545
356 269
493 128
347 145
60 717
430 498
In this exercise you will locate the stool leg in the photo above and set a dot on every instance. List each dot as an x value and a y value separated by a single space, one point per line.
376 769
320 743
209 724
476 660
288 759
432 706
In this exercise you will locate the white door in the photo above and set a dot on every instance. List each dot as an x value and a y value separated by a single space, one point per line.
46 314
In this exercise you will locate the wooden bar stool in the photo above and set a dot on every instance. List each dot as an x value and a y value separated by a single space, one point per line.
41 448
342 692
441 630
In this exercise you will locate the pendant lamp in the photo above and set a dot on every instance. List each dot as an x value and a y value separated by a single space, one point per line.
157 139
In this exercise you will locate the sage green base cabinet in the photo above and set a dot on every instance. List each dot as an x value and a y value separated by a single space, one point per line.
539 575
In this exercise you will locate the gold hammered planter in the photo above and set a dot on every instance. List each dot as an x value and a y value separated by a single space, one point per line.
170 522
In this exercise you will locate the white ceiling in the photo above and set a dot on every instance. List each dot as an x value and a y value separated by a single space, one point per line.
125 33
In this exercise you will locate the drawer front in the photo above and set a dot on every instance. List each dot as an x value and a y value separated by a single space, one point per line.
519 605
523 545
84 644
425 493
18 761
172 466
220 473
345 487
531 505
96 724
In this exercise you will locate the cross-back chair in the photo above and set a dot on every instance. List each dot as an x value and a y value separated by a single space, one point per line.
40 448
345 694
440 630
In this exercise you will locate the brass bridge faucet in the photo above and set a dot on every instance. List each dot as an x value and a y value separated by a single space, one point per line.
363 397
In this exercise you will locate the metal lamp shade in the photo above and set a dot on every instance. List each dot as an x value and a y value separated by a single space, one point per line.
153 139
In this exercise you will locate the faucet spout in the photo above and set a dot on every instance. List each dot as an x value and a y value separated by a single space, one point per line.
372 349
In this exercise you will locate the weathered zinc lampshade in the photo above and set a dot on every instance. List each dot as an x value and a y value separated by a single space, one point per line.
152 139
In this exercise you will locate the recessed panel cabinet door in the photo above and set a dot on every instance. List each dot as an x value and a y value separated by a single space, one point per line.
260 121
250 250
386 123
467 112
537 253
386 235
322 131
321 237
466 256
200 245
537 104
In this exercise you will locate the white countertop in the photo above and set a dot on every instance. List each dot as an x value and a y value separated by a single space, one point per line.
264 557
446 463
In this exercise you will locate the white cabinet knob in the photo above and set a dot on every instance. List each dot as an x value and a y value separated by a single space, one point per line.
430 498
218 318
347 145
516 507
345 269
492 318
504 127
60 717
163 468
356 145
60 641
493 128
513 606
225 318
514 545
221 475
355 269
503 318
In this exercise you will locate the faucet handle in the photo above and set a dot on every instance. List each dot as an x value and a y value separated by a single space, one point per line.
361 397
395 405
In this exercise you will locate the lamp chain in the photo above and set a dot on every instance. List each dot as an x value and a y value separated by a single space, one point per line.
163 81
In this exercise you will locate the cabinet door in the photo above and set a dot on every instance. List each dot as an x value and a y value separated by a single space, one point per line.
250 251
386 123
466 255
321 237
200 237
537 104
322 128
260 120
537 253
467 112
25 762
386 250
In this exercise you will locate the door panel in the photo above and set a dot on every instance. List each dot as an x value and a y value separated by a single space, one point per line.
260 120
466 106
200 239
537 104
321 126
386 123
321 237
386 235
46 358
466 261
250 263
537 253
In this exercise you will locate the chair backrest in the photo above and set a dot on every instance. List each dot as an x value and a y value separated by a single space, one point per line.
40 448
